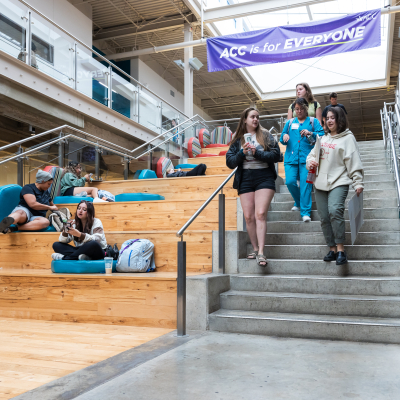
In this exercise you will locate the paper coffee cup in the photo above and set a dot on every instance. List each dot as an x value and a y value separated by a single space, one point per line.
108 261
247 137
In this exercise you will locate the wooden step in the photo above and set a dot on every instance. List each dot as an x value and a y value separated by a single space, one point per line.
33 250
162 215
118 299
213 150
215 171
184 188
218 161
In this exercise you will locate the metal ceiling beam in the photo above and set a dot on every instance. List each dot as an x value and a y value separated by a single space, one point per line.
123 31
241 10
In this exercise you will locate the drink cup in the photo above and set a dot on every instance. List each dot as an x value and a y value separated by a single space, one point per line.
108 261
247 137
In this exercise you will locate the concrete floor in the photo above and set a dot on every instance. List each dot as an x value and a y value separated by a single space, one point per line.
224 366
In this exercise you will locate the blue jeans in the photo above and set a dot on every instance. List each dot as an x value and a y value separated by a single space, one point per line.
301 195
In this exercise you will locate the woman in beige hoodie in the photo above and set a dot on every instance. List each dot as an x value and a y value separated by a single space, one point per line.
339 166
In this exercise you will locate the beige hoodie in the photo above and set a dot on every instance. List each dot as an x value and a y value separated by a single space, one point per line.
339 162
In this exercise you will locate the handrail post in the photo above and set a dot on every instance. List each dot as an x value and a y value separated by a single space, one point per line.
181 289
28 40
150 161
20 168
109 87
97 163
126 168
221 233
61 152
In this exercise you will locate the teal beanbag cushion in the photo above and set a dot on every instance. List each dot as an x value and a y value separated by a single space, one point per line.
137 174
48 229
70 199
9 199
80 267
185 166
138 197
147 174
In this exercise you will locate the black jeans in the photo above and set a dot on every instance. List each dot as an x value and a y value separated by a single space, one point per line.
91 249
197 170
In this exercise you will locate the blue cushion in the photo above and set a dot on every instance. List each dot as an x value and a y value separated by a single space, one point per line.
138 197
137 174
50 228
70 199
80 267
186 166
147 174
9 199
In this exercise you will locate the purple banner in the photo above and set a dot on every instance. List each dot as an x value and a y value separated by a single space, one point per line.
295 42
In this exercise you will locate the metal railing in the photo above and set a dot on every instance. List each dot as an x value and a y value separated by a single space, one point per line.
181 280
390 124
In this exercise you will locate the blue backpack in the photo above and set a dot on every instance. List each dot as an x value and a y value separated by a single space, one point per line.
136 255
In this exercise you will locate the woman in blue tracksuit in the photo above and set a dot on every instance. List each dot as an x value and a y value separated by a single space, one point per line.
294 136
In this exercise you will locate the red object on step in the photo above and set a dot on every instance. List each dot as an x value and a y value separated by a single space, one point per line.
207 155
311 176
222 153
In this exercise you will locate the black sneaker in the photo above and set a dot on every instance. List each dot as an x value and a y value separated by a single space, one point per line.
331 256
5 224
341 258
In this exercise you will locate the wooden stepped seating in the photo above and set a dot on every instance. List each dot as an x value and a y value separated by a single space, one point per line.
133 299
183 188
218 161
161 215
33 250
215 170
213 150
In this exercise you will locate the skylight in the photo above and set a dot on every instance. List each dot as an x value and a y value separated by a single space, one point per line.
347 71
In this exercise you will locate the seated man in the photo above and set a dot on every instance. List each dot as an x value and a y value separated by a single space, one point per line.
35 200
196 171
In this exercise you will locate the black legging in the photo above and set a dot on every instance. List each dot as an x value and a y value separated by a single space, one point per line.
91 249
197 170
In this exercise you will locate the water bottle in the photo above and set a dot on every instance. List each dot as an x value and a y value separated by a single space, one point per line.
311 175
310 139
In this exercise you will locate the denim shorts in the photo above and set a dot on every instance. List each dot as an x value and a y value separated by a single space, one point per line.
29 216
256 179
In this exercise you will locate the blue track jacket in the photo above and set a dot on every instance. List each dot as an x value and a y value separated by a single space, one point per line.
298 147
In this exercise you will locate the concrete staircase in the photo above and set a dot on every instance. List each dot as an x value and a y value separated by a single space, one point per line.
299 295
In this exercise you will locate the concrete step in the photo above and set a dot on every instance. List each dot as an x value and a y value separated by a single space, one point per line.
307 326
370 225
368 203
370 143
370 161
369 213
369 176
376 169
314 238
368 194
318 252
316 284
318 267
380 185
308 303
368 154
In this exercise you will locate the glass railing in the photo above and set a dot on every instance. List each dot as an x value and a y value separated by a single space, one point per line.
68 60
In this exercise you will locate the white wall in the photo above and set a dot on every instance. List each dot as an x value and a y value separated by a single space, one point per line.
160 86
67 16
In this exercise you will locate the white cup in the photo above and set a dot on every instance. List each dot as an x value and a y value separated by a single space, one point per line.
247 137
108 261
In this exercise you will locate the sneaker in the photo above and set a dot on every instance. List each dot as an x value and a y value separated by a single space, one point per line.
81 194
294 208
341 258
331 256
84 257
98 200
306 218
57 256
5 224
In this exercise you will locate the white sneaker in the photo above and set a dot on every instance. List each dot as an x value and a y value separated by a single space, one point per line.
57 256
306 218
294 208
98 200
84 257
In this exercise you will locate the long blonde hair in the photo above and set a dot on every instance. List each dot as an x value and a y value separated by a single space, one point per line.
241 130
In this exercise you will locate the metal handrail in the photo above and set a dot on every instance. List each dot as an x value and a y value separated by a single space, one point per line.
237 119
393 151
99 55
205 204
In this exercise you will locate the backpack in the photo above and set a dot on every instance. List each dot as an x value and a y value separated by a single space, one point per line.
311 120
136 256
59 218
103 194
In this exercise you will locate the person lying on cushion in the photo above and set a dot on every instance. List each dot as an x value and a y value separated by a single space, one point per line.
30 213
72 184
196 171
86 232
